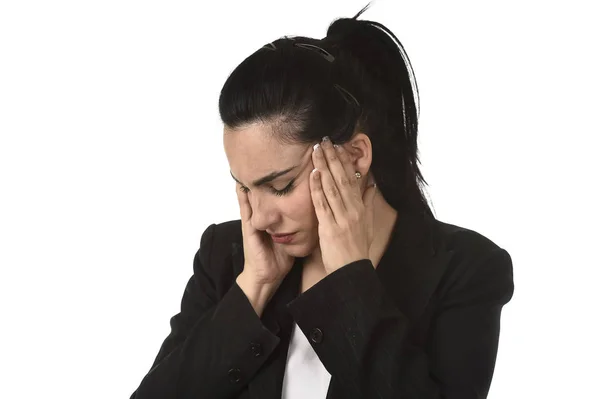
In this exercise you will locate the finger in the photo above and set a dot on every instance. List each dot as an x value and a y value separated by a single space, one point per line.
350 171
327 184
347 187
322 208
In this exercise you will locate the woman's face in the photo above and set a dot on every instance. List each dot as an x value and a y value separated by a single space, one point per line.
280 205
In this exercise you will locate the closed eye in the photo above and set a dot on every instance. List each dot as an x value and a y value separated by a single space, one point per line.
278 193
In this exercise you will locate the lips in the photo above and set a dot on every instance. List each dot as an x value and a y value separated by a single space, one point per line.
281 235
283 239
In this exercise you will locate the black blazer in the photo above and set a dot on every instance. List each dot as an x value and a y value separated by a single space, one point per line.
424 324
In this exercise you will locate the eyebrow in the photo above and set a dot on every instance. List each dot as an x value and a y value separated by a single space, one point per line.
268 178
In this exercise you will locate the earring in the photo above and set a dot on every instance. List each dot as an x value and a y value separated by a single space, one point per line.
358 175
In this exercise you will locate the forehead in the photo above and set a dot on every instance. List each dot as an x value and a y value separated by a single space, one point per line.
252 151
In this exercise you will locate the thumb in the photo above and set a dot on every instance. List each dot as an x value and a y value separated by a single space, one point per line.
369 193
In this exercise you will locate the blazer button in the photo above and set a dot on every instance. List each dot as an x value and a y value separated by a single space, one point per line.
235 375
316 335
256 349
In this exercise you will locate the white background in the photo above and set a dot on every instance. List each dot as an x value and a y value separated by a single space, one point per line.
112 166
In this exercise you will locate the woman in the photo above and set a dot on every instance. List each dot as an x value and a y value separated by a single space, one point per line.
366 295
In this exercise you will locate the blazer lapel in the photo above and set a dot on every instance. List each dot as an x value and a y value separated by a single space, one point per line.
410 270
414 263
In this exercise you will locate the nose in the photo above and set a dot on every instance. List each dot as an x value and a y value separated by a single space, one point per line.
264 213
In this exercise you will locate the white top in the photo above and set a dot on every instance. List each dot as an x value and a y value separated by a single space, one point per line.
305 376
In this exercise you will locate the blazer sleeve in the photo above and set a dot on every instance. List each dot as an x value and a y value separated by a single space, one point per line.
215 345
364 337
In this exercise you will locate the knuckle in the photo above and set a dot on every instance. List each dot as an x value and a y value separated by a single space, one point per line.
322 205
345 182
332 192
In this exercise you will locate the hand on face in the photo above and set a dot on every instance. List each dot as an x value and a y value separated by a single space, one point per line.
345 214
264 262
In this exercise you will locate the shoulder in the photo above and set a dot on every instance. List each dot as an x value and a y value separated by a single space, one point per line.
219 252
476 264
463 240
224 234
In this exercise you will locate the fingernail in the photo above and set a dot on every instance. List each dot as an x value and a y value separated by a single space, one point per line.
316 147
326 138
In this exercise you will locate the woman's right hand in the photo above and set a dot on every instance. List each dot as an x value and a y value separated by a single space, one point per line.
265 262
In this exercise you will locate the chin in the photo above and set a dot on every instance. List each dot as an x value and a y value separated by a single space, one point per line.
303 248
296 252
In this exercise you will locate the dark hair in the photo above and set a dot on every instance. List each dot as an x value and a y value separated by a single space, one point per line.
289 85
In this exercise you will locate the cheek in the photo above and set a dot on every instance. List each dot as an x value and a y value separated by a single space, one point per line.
307 209
299 203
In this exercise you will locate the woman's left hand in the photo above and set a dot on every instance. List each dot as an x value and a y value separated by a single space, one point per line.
345 215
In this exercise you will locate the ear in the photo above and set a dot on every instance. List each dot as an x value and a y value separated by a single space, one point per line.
361 152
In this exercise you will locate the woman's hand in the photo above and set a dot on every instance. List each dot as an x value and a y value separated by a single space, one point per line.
345 214
265 262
